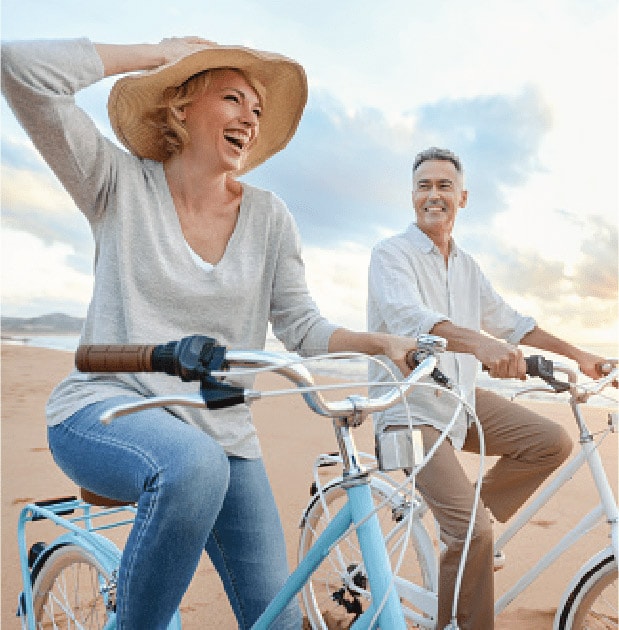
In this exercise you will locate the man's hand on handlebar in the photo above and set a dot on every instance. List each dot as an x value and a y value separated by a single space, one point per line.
592 365
501 360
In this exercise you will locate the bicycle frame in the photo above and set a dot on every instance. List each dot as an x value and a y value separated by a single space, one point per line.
355 511
425 600
358 512
606 508
415 594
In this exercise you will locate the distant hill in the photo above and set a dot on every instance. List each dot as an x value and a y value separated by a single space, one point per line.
50 324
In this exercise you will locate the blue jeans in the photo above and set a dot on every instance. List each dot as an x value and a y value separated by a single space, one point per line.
190 496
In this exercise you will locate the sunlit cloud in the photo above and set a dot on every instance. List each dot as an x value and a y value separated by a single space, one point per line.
25 190
36 273
337 279
595 271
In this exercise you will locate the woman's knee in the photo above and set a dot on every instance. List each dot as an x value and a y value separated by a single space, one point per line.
195 478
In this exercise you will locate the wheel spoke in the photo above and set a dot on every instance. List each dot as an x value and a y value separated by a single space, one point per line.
69 591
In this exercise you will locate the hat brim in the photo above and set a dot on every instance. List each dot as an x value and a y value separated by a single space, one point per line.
284 80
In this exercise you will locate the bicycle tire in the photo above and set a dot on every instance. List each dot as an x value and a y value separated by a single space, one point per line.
592 603
335 594
68 590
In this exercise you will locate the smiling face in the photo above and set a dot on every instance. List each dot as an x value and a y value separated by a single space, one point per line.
438 193
223 122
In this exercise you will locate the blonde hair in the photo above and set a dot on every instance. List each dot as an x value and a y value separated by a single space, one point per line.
173 136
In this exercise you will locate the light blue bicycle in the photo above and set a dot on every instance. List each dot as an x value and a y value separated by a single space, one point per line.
71 581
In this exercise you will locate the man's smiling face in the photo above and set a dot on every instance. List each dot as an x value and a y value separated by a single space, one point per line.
438 193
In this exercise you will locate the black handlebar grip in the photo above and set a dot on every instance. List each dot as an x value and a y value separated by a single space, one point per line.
114 358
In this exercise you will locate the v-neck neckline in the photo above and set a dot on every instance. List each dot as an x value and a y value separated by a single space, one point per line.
234 236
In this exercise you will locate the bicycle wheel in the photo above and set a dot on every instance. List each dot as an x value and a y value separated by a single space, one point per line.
338 591
592 604
68 591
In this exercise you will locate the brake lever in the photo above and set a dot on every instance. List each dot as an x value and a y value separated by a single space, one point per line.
543 368
414 358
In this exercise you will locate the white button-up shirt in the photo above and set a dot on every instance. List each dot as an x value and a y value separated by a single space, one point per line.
410 290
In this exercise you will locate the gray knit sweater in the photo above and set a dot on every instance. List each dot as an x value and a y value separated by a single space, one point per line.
147 286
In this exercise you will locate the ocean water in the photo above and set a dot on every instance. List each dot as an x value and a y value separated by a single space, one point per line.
355 370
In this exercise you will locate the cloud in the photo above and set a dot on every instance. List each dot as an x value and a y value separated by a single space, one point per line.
34 203
498 139
525 272
37 278
595 272
343 176
337 279
346 175
581 292
591 274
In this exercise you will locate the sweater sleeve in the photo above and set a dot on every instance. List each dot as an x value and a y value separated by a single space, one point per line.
39 81
295 318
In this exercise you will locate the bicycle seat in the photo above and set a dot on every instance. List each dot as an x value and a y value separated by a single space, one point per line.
100 500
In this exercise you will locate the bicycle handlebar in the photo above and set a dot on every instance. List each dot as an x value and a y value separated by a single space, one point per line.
200 358
546 370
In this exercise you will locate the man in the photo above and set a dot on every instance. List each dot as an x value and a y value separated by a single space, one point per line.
420 281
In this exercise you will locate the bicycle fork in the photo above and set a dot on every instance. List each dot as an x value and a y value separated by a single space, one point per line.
385 609
385 605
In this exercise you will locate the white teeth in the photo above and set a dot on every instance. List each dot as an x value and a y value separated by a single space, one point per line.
235 141
236 138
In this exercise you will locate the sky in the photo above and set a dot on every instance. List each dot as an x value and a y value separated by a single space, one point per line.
524 91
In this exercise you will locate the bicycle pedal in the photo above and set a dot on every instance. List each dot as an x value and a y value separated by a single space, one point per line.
499 560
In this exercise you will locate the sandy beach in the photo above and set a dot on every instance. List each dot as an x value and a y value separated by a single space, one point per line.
291 438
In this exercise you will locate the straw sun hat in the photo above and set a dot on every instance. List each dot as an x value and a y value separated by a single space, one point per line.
285 88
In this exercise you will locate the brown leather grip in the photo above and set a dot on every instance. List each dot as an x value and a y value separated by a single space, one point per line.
114 358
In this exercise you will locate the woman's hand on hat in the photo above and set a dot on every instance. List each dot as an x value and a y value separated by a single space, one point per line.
121 58
173 48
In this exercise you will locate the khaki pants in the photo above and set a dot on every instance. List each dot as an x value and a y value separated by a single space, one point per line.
530 448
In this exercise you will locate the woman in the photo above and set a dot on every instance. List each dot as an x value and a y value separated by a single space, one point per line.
182 247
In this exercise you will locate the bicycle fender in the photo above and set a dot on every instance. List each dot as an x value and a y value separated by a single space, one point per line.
102 548
316 497
385 489
579 577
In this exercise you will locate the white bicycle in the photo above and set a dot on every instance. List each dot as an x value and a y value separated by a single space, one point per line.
338 593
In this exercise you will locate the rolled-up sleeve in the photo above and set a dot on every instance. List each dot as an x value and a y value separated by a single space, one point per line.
499 318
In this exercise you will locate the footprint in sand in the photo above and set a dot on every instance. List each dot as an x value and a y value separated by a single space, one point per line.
22 500
542 523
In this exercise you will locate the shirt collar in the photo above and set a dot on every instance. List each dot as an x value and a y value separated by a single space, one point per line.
424 243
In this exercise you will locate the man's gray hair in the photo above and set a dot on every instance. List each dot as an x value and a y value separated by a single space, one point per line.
434 153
